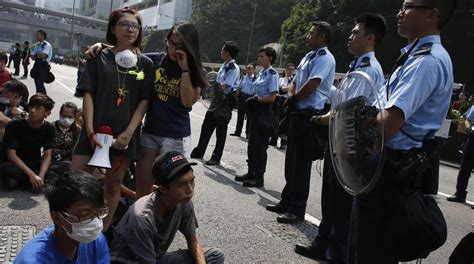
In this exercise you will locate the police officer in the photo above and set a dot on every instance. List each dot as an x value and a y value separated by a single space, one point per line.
309 92
419 91
244 91
261 111
336 203
41 54
218 116
284 84
467 159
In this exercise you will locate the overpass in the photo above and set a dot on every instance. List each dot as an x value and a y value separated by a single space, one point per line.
51 19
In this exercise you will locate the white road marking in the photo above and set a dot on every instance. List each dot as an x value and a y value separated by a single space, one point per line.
65 86
313 220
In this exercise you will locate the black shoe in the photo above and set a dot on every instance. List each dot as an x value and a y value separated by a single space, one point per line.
282 147
272 143
246 176
311 251
289 218
235 134
195 156
457 198
253 182
212 162
277 208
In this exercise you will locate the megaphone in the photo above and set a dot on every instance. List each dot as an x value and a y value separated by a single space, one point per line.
101 159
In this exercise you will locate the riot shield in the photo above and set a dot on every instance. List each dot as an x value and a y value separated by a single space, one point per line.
355 138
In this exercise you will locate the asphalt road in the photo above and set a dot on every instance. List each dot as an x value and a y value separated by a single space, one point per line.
230 216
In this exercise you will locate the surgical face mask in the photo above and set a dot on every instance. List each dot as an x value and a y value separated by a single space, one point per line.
66 122
86 232
126 58
4 100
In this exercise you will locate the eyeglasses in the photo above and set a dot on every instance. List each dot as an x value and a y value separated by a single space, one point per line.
172 44
125 25
406 7
101 214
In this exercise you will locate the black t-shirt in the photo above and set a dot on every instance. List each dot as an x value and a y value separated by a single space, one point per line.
166 116
28 141
102 78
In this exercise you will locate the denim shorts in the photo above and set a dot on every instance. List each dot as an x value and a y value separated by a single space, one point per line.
165 144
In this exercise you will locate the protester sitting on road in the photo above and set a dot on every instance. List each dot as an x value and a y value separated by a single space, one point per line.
5 74
117 84
24 139
148 228
76 206
67 133
12 104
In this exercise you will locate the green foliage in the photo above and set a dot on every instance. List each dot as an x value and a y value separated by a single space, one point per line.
341 15
220 20
155 41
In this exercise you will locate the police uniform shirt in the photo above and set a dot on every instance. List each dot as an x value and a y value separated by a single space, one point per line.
284 82
469 114
369 64
316 64
43 47
266 82
421 89
246 84
229 74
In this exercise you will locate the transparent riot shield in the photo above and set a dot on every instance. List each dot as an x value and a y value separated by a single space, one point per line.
355 137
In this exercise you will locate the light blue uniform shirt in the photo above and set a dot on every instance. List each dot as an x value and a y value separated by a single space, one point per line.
369 64
266 82
246 85
229 74
421 88
469 114
316 64
43 47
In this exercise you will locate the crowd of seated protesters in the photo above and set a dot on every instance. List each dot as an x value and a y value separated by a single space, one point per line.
28 143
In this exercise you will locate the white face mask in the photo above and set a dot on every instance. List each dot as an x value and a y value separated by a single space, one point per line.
126 58
86 233
66 122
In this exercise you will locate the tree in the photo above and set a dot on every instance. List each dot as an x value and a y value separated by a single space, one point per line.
221 20
340 14
155 41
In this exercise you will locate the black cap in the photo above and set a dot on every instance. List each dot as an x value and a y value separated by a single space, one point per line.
169 166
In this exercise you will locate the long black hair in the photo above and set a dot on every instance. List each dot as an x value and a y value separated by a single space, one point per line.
189 35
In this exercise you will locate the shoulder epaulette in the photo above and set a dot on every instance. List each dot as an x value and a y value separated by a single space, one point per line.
365 62
423 49
322 52
272 71
230 67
